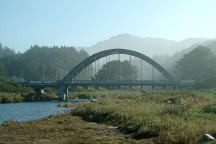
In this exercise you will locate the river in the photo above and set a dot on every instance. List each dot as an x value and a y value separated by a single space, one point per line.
29 110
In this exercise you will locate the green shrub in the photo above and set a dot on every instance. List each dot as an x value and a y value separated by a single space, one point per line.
10 98
210 108
174 110
15 88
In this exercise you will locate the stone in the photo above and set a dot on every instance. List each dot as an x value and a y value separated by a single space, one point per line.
206 138
171 101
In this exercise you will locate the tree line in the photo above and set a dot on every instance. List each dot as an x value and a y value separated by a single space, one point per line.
39 62
199 65
52 63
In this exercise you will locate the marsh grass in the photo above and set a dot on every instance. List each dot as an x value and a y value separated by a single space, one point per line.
60 129
210 108
143 117
182 122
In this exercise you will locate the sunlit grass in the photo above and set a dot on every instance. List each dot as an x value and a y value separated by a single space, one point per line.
181 122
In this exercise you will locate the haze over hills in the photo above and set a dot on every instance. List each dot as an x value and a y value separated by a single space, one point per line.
148 46
165 52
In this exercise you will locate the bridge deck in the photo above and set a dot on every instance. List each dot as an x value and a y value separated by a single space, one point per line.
107 83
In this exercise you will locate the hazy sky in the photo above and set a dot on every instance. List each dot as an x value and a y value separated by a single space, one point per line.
85 22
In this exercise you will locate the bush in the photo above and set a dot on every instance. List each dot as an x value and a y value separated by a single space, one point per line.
15 88
10 98
210 108
174 110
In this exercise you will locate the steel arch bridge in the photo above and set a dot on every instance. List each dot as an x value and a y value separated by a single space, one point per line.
68 80
91 59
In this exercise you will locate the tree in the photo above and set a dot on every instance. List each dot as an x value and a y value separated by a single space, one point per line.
2 72
45 63
5 52
116 70
199 65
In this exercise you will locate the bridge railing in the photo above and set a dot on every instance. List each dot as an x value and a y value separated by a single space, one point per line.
120 82
108 82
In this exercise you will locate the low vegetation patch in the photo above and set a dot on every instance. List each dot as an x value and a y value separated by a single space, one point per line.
10 97
14 93
15 88
148 116
210 108
61 129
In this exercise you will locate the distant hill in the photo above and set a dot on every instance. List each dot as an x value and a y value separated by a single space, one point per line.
166 52
147 46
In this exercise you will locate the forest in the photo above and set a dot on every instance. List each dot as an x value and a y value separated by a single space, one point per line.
53 63
39 62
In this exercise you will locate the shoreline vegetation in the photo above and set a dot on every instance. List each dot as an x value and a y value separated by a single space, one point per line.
15 93
60 129
129 116
163 117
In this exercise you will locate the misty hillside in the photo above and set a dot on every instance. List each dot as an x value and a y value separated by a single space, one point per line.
169 62
147 46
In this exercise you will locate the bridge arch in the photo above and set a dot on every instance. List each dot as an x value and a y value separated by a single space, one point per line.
89 60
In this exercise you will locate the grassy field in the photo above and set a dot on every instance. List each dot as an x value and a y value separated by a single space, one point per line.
123 116
163 117
61 129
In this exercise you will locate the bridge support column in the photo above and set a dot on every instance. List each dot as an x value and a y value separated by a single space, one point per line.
62 93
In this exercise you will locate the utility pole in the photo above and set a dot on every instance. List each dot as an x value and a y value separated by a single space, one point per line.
43 73
130 69
153 74
109 77
98 70
95 69
141 69
56 75
119 63
106 77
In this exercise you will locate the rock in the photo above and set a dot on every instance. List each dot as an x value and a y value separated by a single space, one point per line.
42 91
92 100
110 130
171 101
206 138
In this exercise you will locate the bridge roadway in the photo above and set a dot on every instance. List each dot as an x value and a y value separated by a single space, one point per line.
62 86
42 84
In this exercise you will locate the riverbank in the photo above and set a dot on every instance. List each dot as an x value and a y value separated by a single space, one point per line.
60 129
15 93
124 117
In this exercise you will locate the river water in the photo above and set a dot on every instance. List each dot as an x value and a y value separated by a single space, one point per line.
29 110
